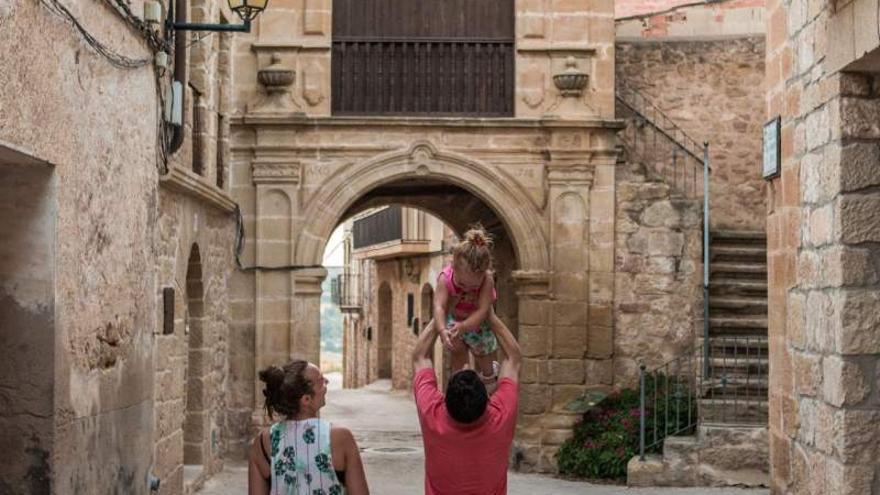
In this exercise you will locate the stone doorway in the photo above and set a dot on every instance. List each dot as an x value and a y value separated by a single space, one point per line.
27 323
195 427
384 336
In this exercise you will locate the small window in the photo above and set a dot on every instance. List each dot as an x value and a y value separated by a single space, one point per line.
410 308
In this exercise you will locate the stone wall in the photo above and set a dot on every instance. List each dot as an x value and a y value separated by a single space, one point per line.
119 238
195 256
712 90
658 304
823 260
96 125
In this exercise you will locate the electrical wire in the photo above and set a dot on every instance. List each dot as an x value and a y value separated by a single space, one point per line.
116 59
239 248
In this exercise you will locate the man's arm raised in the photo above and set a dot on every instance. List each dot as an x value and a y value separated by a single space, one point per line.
421 355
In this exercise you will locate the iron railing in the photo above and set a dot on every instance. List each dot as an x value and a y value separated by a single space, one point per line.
658 142
346 291
668 401
676 397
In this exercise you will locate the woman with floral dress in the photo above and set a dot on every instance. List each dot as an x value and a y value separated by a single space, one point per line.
302 454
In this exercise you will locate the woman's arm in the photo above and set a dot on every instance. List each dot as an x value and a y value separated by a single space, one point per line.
355 477
259 471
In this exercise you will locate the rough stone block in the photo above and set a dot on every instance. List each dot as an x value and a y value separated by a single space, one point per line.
858 220
534 399
599 372
532 312
857 439
569 342
570 313
533 341
555 437
845 382
844 479
859 317
807 370
600 342
533 371
568 371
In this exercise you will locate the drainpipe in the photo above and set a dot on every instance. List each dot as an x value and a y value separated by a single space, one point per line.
178 13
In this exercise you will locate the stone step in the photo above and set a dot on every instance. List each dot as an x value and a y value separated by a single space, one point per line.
738 237
736 386
731 347
736 305
721 322
737 286
735 252
680 448
739 368
733 411
738 269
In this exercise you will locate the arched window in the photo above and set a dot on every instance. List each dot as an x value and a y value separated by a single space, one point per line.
405 57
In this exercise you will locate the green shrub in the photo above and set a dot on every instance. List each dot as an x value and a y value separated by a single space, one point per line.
607 436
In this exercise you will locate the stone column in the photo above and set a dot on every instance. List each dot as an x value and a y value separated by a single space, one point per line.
533 291
305 328
277 189
570 177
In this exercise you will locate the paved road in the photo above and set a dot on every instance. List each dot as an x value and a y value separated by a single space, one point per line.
387 430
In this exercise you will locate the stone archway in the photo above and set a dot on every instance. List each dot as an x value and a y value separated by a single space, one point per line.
340 192
422 160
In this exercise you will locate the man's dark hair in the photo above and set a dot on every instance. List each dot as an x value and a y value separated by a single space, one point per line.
466 397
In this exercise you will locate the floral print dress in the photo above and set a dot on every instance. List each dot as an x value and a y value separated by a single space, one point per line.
301 459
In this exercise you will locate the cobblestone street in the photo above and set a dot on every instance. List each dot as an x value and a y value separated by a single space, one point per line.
387 430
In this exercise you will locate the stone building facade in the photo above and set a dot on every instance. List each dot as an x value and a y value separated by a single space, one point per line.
114 313
543 178
823 231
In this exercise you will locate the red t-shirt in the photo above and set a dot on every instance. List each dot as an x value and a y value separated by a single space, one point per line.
465 459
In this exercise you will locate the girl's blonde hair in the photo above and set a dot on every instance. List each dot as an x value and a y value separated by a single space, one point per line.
475 249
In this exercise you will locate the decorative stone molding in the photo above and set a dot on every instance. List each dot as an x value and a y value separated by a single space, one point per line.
308 282
532 283
576 174
190 183
571 82
265 172
277 79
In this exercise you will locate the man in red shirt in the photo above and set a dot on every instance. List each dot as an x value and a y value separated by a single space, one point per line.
467 435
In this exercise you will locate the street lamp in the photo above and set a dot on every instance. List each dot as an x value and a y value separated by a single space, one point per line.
248 10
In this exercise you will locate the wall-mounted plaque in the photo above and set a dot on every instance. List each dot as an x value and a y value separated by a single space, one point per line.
772 148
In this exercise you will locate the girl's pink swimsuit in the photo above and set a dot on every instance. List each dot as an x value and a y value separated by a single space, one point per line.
481 340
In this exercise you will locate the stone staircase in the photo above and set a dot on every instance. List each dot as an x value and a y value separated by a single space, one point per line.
715 456
736 389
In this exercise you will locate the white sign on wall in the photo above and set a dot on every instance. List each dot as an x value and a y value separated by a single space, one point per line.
772 148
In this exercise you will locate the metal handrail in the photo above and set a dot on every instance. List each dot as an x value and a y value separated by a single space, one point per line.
642 106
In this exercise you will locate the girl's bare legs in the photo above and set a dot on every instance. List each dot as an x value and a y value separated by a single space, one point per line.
458 355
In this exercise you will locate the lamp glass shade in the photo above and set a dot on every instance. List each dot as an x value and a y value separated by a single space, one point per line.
247 9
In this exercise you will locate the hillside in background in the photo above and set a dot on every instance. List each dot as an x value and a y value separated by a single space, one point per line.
331 318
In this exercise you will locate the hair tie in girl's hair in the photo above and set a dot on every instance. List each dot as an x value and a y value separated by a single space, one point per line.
479 241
